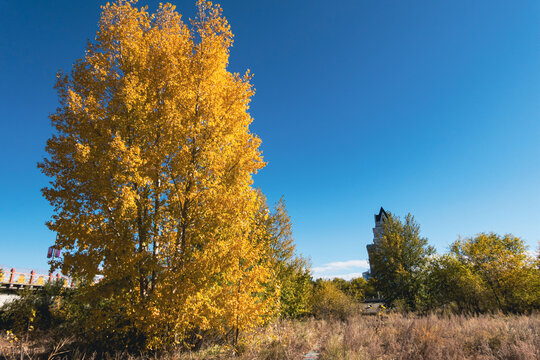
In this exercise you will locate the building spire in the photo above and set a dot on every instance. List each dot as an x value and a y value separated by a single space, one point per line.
377 233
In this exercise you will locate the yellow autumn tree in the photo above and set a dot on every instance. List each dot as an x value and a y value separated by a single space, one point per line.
151 173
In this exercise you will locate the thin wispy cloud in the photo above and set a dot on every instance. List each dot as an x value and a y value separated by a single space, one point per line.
341 269
346 277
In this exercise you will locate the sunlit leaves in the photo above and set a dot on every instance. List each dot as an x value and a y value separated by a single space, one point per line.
398 258
151 171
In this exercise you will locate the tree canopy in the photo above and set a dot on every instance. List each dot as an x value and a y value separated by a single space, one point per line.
511 277
151 175
398 257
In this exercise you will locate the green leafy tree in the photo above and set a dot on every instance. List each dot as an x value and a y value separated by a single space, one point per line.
296 292
341 284
356 287
292 275
398 258
448 284
510 275
329 301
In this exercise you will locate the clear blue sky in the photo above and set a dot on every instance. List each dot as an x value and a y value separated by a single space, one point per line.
428 107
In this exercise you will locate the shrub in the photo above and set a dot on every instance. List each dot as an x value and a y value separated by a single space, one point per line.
36 308
330 302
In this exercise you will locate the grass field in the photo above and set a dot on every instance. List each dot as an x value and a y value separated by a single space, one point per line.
391 336
456 337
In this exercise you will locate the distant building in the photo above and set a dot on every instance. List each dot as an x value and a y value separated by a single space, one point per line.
377 233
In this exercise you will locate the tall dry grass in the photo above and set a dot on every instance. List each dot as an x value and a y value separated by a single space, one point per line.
280 340
430 337
391 336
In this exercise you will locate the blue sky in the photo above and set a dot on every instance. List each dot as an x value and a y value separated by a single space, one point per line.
428 107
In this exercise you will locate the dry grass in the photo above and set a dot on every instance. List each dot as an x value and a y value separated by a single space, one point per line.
284 340
393 336
278 341
458 337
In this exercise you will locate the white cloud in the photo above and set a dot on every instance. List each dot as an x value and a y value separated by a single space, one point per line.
347 276
341 269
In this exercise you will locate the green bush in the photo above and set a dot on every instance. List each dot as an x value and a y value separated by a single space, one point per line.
330 302
35 309
98 323
296 291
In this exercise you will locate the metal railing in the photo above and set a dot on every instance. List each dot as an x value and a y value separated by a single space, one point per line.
18 279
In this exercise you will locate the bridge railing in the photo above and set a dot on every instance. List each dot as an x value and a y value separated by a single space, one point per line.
14 278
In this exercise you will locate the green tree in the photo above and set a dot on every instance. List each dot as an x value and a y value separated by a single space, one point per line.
292 275
296 289
329 301
398 258
358 287
341 284
510 275
355 288
447 283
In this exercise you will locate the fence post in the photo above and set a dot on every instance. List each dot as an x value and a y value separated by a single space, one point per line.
57 276
32 273
12 275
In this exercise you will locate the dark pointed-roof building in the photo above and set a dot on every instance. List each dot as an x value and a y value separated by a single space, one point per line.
377 233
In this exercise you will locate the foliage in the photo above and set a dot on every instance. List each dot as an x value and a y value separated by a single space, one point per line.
34 309
151 171
100 323
295 292
357 288
291 271
487 273
330 302
448 284
398 258
510 277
